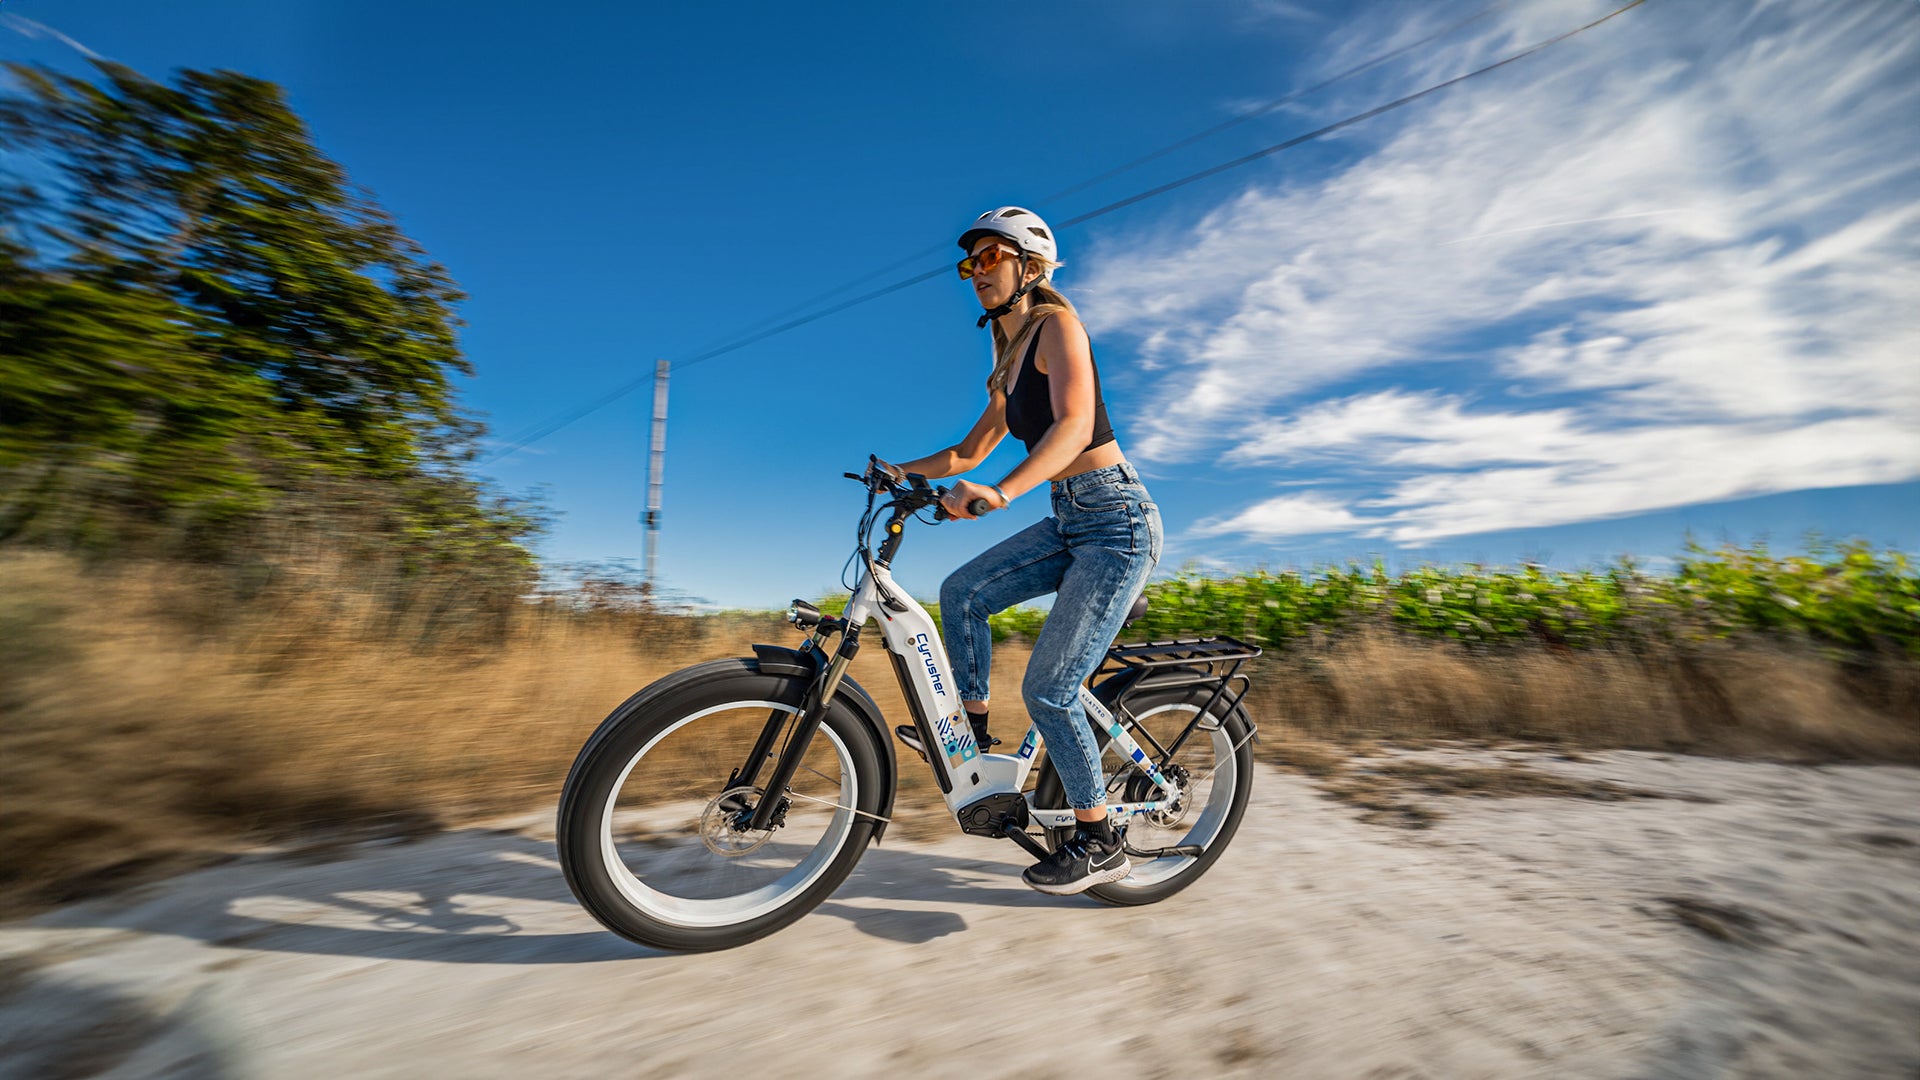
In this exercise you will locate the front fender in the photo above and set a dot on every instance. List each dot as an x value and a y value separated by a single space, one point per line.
780 660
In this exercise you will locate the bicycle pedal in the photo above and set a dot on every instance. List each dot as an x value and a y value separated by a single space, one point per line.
910 735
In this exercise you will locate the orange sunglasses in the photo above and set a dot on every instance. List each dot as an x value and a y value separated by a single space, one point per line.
983 262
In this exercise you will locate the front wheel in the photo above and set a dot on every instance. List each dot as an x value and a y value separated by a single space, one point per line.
1215 767
652 835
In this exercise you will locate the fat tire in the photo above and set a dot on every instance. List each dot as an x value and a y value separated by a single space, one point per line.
607 754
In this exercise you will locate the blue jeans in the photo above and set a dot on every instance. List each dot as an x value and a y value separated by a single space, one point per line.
1095 552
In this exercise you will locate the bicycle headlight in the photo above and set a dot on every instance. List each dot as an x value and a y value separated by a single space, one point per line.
803 615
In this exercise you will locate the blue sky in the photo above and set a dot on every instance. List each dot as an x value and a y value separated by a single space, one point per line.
1658 279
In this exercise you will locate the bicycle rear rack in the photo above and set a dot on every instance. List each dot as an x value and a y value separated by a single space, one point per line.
1208 661
1182 651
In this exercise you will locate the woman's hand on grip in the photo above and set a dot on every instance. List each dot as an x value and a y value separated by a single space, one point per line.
959 499
876 467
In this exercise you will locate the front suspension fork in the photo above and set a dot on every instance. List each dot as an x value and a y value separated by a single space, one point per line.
813 709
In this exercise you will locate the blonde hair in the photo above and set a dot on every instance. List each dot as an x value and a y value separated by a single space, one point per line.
1043 300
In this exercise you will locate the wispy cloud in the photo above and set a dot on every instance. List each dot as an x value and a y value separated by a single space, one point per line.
1563 224
1281 9
1285 515
1693 272
35 29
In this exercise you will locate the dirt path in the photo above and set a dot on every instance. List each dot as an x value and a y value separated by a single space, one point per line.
1772 931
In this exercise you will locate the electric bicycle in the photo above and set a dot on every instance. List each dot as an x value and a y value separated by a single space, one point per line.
729 799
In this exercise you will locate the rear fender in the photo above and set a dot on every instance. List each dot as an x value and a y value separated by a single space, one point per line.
780 660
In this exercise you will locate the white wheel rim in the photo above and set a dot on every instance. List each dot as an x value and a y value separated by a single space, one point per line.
1205 829
729 910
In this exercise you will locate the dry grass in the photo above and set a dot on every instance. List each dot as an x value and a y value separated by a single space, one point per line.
1331 708
152 716
1748 699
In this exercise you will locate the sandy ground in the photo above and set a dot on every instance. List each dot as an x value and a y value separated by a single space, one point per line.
1771 931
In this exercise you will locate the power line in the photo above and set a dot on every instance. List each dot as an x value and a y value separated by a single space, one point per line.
838 290
1261 110
1331 128
821 314
554 424
1251 114
753 333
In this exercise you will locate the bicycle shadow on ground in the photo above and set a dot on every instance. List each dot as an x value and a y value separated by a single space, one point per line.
480 896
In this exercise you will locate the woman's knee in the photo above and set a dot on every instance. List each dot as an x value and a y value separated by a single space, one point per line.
955 592
1044 694
960 594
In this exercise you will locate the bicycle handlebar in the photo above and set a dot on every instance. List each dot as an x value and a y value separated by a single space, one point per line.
915 490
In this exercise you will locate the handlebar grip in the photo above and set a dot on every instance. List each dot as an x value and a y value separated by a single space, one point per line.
978 507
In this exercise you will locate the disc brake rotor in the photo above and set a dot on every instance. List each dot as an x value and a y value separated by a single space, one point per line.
723 824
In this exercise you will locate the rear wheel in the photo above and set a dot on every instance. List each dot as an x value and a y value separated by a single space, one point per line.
654 841
1215 767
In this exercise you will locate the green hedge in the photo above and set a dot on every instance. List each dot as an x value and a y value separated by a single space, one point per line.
1843 595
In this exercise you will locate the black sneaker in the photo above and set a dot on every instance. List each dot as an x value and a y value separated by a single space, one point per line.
910 735
1079 864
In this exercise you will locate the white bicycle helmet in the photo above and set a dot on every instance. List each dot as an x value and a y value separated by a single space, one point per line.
1029 234
1018 224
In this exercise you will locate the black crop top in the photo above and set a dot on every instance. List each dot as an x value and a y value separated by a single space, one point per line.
1030 404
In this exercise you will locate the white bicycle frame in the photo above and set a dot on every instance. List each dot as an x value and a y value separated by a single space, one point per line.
927 681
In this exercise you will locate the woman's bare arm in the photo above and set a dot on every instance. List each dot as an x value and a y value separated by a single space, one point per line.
971 450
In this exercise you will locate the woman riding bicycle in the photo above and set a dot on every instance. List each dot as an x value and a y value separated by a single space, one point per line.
1094 552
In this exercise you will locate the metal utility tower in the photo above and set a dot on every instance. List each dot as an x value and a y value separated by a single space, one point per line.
656 468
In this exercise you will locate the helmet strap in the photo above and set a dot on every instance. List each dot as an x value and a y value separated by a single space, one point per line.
1007 307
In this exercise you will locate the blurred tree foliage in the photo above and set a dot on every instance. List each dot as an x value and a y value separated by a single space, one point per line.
202 321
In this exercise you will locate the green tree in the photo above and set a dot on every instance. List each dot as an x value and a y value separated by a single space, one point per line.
108 409
200 315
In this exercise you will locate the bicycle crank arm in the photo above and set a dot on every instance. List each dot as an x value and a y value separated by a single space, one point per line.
1033 847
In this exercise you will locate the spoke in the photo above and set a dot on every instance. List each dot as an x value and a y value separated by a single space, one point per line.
1230 756
820 774
839 806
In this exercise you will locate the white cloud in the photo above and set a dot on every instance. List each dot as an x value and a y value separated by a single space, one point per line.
1412 429
1674 260
1506 470
1281 9
1284 515
1622 472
